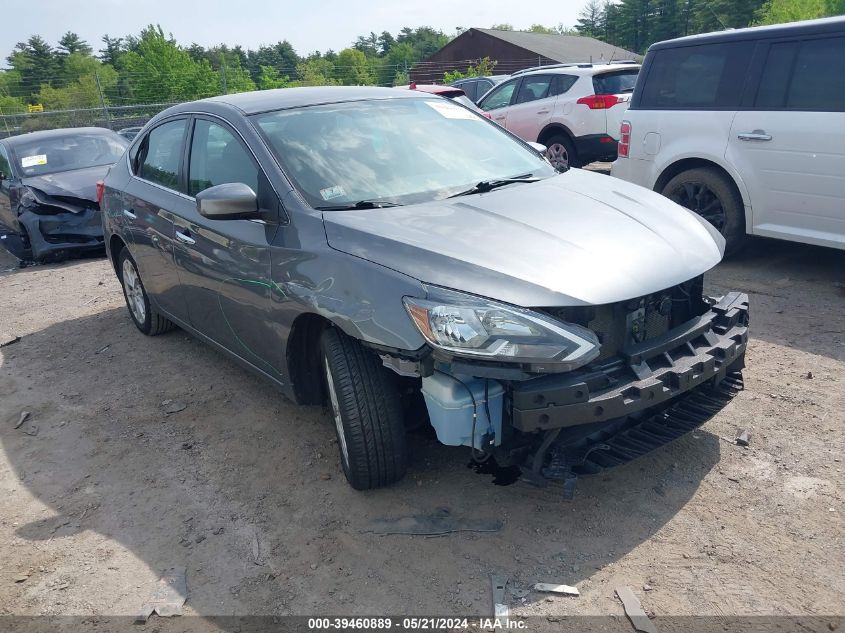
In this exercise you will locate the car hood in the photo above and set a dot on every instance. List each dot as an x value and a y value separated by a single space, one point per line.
578 238
77 183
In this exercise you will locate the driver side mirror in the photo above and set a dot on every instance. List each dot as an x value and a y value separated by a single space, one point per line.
229 201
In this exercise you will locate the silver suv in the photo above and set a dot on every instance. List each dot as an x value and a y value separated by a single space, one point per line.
573 109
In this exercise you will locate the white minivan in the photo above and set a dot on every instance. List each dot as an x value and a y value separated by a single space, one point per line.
747 129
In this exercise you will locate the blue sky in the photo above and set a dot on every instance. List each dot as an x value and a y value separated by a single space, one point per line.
309 26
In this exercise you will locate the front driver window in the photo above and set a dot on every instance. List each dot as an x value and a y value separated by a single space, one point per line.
500 97
217 157
160 153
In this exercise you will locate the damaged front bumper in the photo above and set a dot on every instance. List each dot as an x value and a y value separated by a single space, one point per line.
55 227
648 375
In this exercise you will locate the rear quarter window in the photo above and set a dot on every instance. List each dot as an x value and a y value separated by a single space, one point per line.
803 76
710 76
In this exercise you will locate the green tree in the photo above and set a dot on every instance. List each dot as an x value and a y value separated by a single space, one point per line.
502 27
484 67
779 11
352 68
590 19
71 43
316 71
36 62
269 79
163 72
112 50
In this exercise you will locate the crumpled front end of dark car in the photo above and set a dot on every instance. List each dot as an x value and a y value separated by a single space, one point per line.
54 227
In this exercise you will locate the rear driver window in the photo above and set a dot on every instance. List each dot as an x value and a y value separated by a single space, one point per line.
160 153
694 77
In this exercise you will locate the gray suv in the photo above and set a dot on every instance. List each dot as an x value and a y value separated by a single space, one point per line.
396 256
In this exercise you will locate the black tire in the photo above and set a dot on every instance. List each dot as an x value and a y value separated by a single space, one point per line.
364 402
555 146
150 322
712 195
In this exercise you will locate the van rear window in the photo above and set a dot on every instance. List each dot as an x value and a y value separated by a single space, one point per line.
696 77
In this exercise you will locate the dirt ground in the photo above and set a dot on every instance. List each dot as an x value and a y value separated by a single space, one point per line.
244 489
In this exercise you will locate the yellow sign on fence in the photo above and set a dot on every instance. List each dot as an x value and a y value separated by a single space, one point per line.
35 107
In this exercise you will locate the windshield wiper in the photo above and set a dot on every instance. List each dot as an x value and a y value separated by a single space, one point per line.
489 185
361 204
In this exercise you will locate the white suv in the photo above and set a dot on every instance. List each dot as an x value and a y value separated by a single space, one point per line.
573 109
747 129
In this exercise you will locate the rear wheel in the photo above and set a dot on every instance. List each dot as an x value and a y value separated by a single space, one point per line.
560 150
365 406
145 317
711 195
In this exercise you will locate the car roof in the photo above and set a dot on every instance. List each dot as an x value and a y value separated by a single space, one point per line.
282 98
578 69
434 89
41 135
808 27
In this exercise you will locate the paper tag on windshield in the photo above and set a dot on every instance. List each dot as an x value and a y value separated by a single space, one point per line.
332 192
451 111
32 161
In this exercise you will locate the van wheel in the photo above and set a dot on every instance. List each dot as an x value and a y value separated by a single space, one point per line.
143 314
364 403
560 151
711 195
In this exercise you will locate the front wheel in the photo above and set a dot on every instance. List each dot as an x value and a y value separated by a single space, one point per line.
711 195
364 403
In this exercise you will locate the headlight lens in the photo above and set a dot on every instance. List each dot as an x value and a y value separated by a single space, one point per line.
466 326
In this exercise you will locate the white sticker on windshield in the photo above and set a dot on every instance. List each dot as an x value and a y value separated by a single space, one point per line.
32 161
332 192
452 111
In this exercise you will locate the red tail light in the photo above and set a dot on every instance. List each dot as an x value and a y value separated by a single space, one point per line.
600 102
624 139
101 191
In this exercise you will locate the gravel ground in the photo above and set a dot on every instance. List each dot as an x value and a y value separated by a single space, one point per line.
244 490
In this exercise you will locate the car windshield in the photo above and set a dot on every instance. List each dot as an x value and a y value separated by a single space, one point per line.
402 151
64 153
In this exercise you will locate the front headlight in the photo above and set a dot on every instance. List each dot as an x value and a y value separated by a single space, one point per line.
482 329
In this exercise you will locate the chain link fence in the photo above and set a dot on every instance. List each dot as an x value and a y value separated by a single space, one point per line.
113 117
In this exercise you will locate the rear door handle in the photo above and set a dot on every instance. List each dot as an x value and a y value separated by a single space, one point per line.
185 239
756 135
542 111
129 214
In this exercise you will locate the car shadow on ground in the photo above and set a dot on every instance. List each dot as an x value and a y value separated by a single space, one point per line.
244 490
797 293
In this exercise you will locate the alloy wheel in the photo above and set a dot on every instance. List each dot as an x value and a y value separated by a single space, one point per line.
134 291
338 421
700 199
558 156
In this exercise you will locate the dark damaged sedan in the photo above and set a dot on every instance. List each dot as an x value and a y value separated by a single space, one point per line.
403 260
48 191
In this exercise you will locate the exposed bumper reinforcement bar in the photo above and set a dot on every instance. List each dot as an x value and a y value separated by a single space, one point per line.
648 375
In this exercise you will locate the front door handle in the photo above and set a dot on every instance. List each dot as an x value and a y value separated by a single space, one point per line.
185 239
756 135
129 214
542 111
